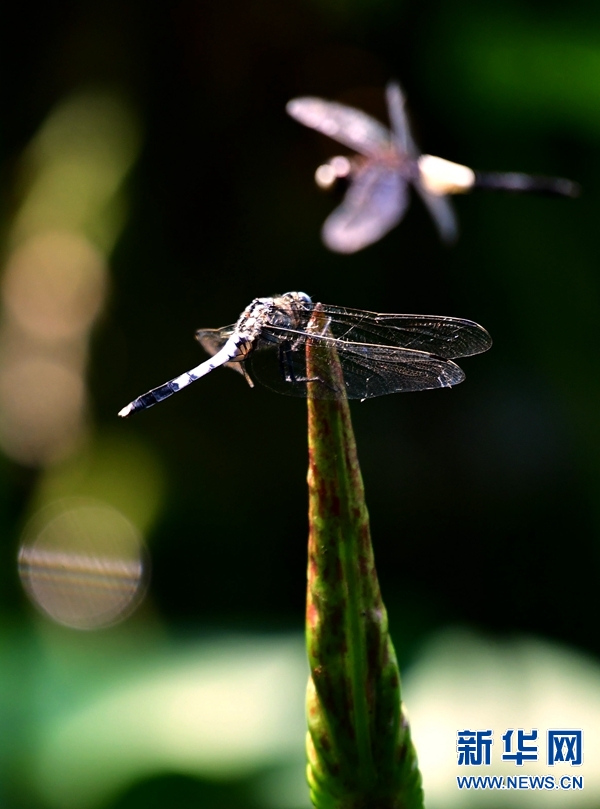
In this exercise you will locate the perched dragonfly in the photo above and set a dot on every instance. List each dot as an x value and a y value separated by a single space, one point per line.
386 163
378 354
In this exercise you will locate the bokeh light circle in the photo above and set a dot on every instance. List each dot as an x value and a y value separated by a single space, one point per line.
54 284
83 563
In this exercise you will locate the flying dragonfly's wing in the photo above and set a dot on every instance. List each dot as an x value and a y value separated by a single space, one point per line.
398 118
374 203
446 337
347 125
368 370
442 212
213 340
440 208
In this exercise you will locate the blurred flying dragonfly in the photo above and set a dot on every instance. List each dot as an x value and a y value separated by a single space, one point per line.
386 163
378 354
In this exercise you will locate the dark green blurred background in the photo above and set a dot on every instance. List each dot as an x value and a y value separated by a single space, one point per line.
483 499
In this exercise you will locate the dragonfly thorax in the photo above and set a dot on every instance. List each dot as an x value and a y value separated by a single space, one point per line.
286 311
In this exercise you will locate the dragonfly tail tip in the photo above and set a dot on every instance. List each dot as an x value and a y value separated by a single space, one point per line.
125 411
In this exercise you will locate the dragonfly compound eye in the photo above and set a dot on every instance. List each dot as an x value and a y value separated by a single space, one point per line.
297 297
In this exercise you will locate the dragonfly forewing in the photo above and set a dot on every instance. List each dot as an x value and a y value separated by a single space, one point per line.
352 127
399 120
446 337
439 207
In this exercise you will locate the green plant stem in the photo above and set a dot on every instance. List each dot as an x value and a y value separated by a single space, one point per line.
359 748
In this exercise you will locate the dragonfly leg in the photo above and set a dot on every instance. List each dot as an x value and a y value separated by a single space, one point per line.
286 349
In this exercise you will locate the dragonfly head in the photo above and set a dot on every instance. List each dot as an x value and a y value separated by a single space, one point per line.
297 297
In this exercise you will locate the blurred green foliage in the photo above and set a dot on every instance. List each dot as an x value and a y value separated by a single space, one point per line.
483 500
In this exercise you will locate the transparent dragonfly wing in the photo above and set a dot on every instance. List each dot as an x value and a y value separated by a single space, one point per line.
442 212
440 208
446 337
398 118
368 370
347 125
374 204
213 340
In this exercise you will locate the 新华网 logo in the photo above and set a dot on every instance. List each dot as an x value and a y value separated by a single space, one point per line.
474 747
